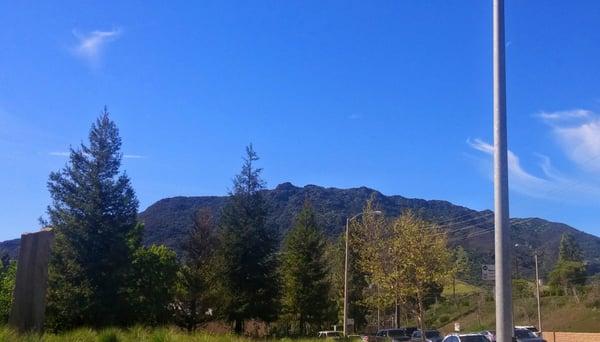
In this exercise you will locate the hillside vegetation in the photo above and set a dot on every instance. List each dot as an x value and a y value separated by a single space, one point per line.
475 311
167 220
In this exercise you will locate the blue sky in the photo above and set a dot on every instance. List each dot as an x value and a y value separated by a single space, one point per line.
394 95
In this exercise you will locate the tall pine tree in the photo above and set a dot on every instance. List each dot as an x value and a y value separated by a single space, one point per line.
306 303
569 272
247 250
569 249
198 287
94 215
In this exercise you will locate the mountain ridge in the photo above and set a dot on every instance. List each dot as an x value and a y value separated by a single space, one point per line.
167 221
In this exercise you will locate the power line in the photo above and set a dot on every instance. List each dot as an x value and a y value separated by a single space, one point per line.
461 217
485 216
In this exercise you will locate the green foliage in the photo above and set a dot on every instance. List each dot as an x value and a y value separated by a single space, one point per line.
592 299
461 266
197 282
8 272
93 214
522 288
247 250
153 282
569 249
567 276
306 303
407 260
168 220
569 272
357 284
461 263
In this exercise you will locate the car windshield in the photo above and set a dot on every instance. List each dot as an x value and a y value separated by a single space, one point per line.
396 332
432 333
473 338
524 333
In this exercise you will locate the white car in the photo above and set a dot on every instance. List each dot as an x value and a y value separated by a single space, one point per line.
466 338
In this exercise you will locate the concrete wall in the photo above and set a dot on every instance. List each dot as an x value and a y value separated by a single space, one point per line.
29 298
552 336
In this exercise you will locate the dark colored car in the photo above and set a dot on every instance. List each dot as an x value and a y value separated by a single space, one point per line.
525 335
430 336
395 335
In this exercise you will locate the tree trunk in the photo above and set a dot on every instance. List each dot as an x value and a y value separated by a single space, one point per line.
238 326
193 316
396 314
454 290
421 316
575 294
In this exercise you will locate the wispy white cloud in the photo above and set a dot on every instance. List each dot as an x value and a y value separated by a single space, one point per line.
60 154
551 185
565 115
91 45
578 134
134 156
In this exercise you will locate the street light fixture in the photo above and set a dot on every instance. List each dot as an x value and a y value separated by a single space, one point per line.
375 212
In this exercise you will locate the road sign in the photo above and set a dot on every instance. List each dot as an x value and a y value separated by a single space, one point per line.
488 272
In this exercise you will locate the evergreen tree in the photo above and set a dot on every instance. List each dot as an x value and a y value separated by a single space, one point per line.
197 282
153 281
94 216
8 274
247 250
460 268
358 287
569 249
306 303
569 272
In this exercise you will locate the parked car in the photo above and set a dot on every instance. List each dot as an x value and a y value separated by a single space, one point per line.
395 335
525 335
478 337
531 328
489 334
430 336
330 334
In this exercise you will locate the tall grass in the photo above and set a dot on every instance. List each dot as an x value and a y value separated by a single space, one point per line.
134 334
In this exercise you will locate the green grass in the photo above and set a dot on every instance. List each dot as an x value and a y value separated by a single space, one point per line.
135 334
462 288
558 314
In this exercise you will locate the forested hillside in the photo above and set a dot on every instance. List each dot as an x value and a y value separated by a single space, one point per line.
167 220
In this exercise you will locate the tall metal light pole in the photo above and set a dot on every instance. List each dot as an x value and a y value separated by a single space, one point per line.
504 322
377 212
537 290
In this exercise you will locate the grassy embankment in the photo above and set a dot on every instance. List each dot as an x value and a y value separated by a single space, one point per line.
474 310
